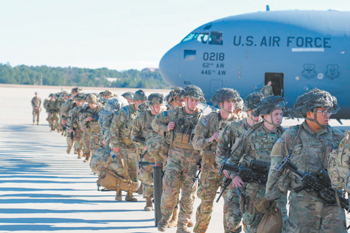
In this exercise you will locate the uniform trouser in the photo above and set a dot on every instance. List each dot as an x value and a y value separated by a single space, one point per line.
36 114
145 174
252 220
54 120
173 182
129 157
208 185
310 216
78 139
233 215
95 138
70 141
86 141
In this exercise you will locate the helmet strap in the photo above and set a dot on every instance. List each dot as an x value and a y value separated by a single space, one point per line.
315 119
271 123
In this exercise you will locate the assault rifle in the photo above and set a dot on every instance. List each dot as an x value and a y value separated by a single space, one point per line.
139 139
257 171
198 173
319 183
94 116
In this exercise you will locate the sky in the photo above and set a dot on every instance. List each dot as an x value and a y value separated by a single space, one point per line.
117 34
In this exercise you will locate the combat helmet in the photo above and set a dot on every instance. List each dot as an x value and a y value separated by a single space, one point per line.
173 94
192 91
75 90
79 97
224 94
91 99
128 95
108 93
113 105
140 95
269 104
312 100
252 101
52 95
155 99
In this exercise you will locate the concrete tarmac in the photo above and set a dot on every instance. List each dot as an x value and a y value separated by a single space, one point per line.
44 189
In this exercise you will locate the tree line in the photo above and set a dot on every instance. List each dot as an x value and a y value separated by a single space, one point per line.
73 76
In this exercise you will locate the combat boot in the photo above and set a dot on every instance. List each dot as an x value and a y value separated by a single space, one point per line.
182 228
173 220
80 154
118 195
87 158
37 123
190 223
130 197
149 206
163 224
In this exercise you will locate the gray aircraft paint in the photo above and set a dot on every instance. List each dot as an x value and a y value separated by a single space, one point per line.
310 48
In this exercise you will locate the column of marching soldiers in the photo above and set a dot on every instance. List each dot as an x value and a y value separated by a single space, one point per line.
250 158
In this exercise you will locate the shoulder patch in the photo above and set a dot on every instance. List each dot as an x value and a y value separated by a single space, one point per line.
204 122
165 113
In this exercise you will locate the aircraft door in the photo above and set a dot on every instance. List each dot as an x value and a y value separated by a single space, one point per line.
277 80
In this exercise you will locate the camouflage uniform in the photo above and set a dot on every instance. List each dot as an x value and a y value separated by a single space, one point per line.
142 129
309 151
227 138
210 180
92 127
181 163
73 119
68 105
267 90
256 145
52 108
120 135
36 103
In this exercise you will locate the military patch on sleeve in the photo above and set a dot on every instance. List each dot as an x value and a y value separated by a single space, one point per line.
165 113
204 122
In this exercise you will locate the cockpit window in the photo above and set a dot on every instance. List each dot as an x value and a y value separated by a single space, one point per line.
200 37
203 37
215 38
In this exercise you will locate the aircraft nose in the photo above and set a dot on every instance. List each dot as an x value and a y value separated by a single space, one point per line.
169 65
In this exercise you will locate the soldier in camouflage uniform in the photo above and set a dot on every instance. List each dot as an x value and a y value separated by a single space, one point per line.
308 146
239 105
61 101
122 145
36 104
52 109
182 160
173 98
206 136
227 138
267 90
257 144
74 131
142 129
90 124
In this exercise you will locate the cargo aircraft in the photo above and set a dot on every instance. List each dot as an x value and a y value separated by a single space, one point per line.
296 50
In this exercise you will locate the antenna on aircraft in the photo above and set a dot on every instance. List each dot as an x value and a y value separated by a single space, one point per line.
267 8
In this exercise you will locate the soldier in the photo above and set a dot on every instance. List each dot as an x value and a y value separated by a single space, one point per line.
74 131
227 138
174 99
142 133
52 109
206 136
256 145
239 105
182 160
90 124
308 146
122 145
267 90
129 96
36 104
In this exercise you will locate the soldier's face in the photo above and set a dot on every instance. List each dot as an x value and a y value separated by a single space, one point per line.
191 103
106 97
322 115
256 119
93 106
229 105
179 102
277 116
155 109
52 98
130 101
138 103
